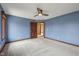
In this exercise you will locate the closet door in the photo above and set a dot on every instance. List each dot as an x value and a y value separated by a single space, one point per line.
0 25
3 20
33 29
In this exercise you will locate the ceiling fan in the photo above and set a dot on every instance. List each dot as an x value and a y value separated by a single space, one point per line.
40 13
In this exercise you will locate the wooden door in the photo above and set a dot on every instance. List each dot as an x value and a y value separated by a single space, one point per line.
33 29
3 25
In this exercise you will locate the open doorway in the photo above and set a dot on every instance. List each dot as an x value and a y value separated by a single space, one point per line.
40 29
37 29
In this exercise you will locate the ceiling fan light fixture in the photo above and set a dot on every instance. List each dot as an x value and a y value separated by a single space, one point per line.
40 14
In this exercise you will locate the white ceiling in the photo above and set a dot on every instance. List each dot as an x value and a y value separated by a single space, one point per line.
28 10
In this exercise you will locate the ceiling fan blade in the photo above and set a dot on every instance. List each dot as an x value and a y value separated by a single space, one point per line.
45 14
35 15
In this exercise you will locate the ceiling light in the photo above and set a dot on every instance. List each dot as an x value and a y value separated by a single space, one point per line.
40 14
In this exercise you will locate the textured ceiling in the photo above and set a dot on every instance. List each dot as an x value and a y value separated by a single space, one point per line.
28 10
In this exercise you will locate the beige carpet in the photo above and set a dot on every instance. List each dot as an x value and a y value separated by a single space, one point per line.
40 47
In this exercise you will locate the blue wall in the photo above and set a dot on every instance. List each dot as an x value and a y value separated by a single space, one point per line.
2 42
18 28
64 28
